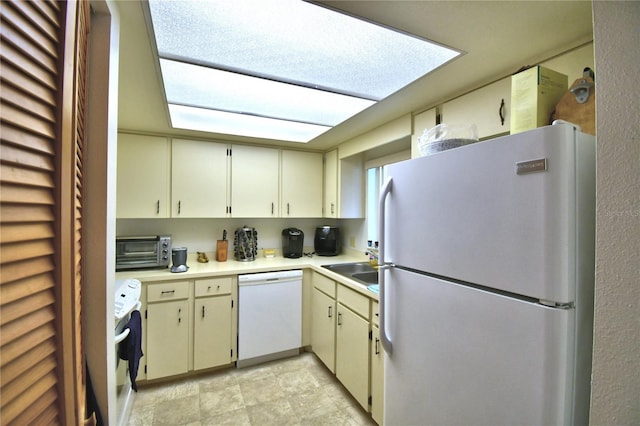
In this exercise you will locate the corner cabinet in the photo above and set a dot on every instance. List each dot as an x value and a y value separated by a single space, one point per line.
301 184
143 176
198 179
254 182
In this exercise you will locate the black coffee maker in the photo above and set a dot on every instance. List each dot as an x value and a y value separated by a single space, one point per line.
292 239
327 241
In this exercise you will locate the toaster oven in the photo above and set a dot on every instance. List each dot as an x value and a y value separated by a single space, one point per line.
143 252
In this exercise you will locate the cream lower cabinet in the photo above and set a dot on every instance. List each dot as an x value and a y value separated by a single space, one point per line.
323 331
377 368
190 325
342 337
167 333
213 344
352 344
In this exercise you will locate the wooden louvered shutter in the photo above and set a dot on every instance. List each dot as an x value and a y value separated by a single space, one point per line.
41 133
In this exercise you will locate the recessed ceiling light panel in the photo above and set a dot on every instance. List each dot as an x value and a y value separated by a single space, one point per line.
285 59
206 87
207 120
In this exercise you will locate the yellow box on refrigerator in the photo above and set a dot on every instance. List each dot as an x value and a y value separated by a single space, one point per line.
534 95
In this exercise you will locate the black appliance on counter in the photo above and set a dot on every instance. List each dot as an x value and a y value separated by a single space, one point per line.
327 241
292 239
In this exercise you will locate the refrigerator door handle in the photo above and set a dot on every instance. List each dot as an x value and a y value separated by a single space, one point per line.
384 337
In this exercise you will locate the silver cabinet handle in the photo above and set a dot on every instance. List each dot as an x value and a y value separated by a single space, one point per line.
272 208
288 212
179 206
339 318
332 208
158 207
377 346
168 291
330 313
202 311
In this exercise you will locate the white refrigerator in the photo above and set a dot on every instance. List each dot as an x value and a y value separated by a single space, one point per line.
486 293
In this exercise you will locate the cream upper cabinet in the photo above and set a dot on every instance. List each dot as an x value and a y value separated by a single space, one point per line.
351 187
254 181
198 179
331 184
488 108
301 183
143 177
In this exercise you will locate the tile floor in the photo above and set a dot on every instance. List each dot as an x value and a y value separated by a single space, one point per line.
292 391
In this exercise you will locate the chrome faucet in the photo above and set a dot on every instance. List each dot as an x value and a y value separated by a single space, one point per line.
372 252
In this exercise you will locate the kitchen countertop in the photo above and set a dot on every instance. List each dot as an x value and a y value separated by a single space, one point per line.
260 264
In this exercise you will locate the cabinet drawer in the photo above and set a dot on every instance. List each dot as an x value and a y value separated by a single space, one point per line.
213 286
174 290
324 284
375 315
354 301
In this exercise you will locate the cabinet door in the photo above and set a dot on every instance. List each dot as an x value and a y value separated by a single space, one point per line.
198 179
377 375
482 107
301 177
352 354
323 330
331 184
212 332
254 181
142 177
167 338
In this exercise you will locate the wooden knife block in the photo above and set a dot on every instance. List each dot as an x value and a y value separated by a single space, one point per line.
222 248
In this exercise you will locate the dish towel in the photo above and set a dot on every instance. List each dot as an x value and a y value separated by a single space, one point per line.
131 348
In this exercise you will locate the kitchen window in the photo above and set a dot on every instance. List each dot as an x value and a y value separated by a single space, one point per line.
376 176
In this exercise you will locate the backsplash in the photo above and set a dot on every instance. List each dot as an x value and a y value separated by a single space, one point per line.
202 234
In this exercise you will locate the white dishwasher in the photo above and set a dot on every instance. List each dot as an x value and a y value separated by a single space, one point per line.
269 316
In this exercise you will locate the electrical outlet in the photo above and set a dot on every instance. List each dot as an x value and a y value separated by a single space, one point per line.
352 242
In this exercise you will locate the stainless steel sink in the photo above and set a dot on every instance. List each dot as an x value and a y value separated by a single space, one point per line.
366 277
360 271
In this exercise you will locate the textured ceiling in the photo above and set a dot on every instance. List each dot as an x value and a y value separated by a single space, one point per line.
497 37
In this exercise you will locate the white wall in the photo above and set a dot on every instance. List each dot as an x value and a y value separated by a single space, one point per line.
616 363
98 206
